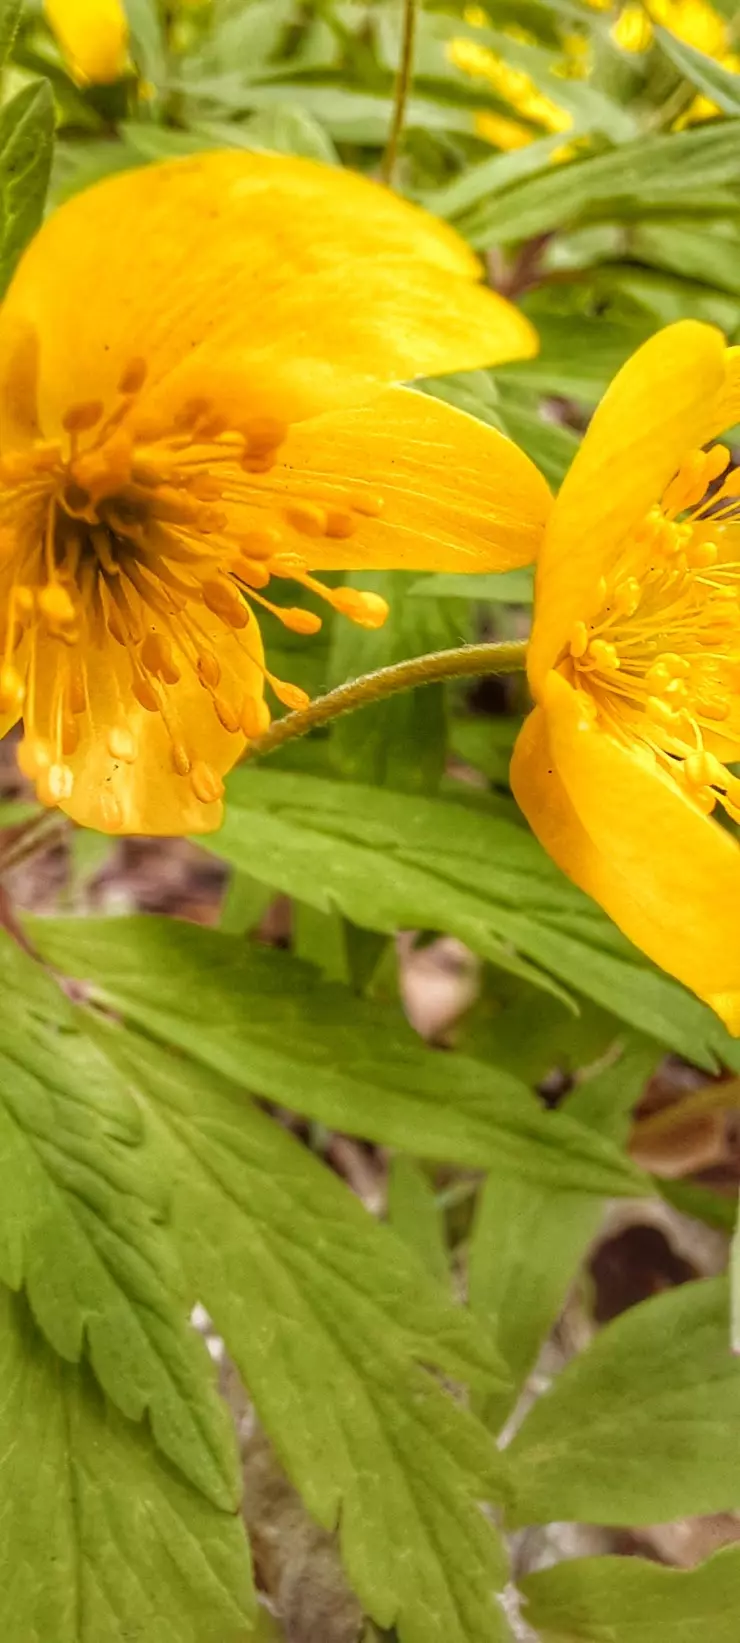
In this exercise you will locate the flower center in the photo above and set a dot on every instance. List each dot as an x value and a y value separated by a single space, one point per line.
159 533
659 660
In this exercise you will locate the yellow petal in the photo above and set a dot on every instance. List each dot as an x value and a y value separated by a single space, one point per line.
261 262
93 36
453 494
621 829
146 795
728 409
661 404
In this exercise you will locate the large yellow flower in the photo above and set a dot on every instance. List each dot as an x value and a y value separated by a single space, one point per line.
93 35
194 399
635 664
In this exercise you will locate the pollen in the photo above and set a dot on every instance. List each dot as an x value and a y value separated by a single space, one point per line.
659 658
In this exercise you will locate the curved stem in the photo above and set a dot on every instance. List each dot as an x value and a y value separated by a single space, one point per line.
401 91
468 662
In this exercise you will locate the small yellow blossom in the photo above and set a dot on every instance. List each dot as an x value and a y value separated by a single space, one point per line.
93 36
635 664
502 132
696 22
196 402
514 86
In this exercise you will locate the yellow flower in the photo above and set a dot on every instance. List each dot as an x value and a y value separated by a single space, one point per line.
514 86
195 371
635 664
696 22
93 35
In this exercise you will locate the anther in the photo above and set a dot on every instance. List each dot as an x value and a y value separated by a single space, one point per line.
255 717
261 544
224 599
34 755
306 518
251 571
297 619
291 696
55 784
704 770
56 605
701 555
603 654
122 744
367 610
263 434
339 524
209 669
145 694
226 714
181 762
626 596
206 783
133 377
80 418
158 657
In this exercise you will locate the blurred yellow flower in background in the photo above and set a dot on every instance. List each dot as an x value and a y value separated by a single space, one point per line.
195 362
635 664
93 37
514 86
696 23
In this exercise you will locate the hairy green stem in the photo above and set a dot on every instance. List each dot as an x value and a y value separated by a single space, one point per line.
469 662
401 91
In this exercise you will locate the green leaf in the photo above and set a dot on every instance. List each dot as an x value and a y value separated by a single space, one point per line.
290 130
626 1600
578 356
400 743
82 1228
413 1214
709 77
391 861
349 115
625 183
635 1430
478 183
148 41
683 247
312 1045
509 587
26 142
10 16
101 1541
329 1319
529 1240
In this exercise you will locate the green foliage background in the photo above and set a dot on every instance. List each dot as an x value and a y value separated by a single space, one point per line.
143 1164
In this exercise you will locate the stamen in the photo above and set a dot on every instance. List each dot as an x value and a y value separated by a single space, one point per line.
206 783
80 418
